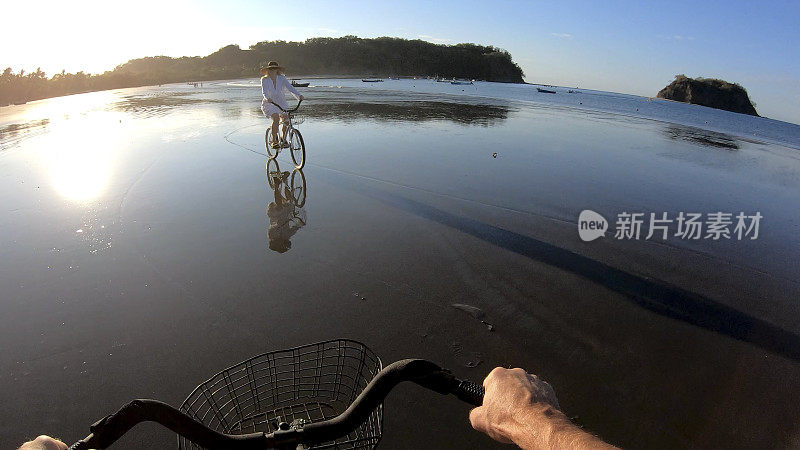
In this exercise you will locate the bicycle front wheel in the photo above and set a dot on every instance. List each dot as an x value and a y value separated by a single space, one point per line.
298 148
272 148
273 171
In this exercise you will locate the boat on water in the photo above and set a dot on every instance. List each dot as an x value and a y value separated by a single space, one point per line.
296 83
545 91
394 78
371 80
461 82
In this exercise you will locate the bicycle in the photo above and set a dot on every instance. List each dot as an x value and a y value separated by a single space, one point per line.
293 137
324 395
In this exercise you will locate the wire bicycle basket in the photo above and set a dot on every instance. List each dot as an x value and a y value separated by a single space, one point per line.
297 386
298 118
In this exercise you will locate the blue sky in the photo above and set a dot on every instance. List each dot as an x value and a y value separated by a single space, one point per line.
622 46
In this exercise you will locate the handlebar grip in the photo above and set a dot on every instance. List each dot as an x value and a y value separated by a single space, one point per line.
80 445
470 392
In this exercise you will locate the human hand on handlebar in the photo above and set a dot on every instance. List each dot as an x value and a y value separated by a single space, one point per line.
509 394
520 408
44 443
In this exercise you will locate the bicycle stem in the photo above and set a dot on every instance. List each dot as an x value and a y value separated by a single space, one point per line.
424 373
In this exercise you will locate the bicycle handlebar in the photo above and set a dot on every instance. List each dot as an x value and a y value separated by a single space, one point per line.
424 373
287 110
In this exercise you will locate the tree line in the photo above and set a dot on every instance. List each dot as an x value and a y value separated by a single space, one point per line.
344 56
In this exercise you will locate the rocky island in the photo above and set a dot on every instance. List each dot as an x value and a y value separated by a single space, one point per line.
709 92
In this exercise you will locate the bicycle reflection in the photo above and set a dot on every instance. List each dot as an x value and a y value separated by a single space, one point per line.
286 214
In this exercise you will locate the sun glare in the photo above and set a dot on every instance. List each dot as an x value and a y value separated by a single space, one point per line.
80 155
92 36
81 174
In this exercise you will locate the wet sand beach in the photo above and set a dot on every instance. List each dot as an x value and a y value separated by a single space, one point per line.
137 263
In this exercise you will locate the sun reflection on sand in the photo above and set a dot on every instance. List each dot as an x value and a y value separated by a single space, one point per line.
80 155
68 105
85 135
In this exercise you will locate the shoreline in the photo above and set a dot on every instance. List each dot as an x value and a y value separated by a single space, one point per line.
304 77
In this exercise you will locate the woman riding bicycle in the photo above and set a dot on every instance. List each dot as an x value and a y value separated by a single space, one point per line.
273 104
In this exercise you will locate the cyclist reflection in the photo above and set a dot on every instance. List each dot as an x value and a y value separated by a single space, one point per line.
286 214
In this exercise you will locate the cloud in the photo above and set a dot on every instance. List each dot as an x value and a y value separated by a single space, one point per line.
562 35
435 40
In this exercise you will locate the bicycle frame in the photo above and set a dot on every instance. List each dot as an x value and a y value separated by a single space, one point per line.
290 125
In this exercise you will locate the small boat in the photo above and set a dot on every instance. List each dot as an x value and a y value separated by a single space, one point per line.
461 82
368 80
296 83
394 78
545 91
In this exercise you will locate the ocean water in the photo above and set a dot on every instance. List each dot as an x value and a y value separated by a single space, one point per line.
740 125
139 255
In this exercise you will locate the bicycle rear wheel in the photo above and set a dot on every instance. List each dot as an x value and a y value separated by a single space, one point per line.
309 384
298 148
272 149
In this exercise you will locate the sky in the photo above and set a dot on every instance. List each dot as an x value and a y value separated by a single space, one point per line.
621 46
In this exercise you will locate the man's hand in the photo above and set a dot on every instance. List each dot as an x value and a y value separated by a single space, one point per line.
520 408
510 394
44 443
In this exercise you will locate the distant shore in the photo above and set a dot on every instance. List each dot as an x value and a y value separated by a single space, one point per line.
344 56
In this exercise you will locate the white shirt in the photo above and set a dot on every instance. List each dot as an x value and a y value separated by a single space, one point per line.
275 93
